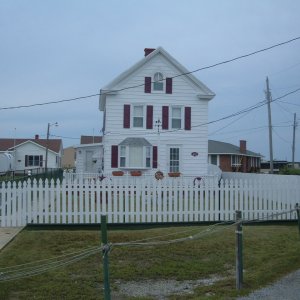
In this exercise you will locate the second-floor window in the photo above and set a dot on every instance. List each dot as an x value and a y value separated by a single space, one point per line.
138 116
176 117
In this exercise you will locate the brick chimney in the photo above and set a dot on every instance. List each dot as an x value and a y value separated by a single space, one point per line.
36 137
148 51
243 146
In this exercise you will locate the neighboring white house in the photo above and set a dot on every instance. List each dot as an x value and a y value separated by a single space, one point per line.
89 155
30 154
155 117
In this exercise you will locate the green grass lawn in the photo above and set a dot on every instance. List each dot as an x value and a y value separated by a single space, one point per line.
270 251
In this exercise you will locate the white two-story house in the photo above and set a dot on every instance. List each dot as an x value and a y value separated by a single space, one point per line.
155 118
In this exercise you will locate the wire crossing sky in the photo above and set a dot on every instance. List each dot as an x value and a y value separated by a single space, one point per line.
66 61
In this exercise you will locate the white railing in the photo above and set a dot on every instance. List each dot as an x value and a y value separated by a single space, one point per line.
146 200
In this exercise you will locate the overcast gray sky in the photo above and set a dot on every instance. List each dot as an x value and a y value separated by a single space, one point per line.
54 50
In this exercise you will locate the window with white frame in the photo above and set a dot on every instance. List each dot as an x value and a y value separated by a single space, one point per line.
34 161
133 156
214 159
148 157
254 162
176 117
236 160
158 84
138 116
174 159
122 156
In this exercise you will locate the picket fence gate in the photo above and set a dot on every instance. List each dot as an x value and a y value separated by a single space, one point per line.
147 200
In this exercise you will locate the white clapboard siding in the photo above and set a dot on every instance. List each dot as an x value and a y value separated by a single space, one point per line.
146 200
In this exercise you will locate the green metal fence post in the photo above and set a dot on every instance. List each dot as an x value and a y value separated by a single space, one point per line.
105 250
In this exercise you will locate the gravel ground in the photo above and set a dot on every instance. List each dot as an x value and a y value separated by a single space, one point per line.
287 288
159 289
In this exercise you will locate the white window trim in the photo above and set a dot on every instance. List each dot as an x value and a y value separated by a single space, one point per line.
144 116
163 83
127 159
182 116
239 159
33 160
180 156
126 156
218 159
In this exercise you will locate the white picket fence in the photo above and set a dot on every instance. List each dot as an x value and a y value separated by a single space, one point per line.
146 200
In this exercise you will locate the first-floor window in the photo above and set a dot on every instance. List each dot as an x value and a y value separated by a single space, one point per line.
122 156
135 156
254 162
33 160
236 160
174 159
214 159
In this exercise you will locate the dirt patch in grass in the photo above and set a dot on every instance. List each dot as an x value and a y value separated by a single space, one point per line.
160 289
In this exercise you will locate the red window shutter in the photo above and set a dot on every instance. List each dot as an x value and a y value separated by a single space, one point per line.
165 117
26 160
187 118
114 156
169 83
149 122
126 117
147 84
154 157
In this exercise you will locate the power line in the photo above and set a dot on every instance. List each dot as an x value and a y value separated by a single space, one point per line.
285 102
139 85
50 102
243 111
66 137
241 56
252 129
283 139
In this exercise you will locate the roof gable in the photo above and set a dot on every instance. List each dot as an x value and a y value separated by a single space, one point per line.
112 87
8 144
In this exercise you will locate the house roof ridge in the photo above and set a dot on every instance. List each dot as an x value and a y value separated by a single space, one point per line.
208 94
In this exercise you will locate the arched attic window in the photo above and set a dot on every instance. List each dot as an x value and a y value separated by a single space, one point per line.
158 84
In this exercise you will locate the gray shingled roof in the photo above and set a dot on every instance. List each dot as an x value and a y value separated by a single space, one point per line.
216 147
135 142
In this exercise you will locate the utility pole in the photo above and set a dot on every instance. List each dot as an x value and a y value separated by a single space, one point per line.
268 96
47 145
294 137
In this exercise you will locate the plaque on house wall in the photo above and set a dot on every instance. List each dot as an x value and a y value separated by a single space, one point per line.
194 154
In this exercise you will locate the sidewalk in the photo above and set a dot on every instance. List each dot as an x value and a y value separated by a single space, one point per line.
7 234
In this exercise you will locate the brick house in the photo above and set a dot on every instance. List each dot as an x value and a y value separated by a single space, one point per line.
231 158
